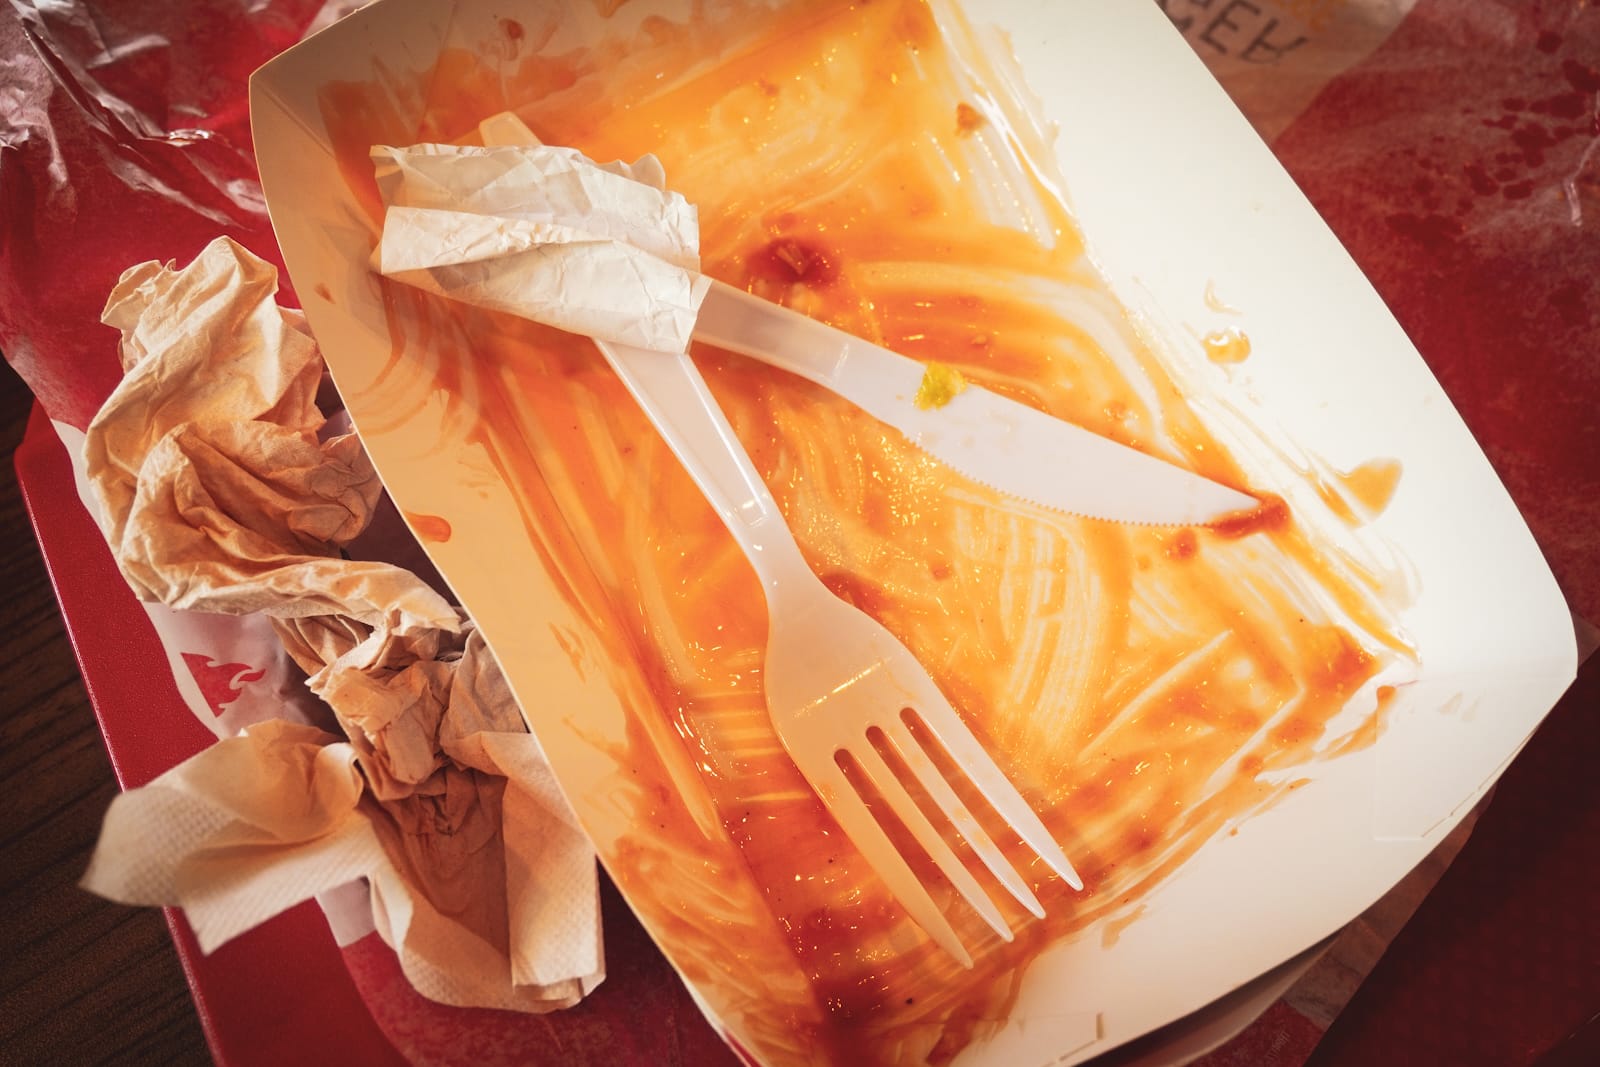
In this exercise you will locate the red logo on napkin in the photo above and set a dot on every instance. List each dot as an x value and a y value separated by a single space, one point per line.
220 683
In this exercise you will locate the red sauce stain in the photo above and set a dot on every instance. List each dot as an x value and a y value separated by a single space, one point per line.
793 261
1562 106
1426 229
432 529
1519 191
1183 546
1481 183
321 289
1548 42
968 119
512 29
1569 303
1581 76
1269 516
1533 140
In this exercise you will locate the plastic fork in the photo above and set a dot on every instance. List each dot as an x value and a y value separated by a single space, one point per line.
834 677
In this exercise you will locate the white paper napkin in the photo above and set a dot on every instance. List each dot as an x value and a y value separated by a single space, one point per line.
219 487
547 234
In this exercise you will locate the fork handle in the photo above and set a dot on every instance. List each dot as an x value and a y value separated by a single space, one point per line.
669 388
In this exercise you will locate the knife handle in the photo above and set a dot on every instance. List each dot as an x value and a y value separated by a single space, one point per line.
740 322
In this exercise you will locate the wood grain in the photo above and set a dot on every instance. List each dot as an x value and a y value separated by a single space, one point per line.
82 980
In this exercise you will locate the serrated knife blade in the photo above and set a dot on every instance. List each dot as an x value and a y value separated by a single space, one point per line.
991 439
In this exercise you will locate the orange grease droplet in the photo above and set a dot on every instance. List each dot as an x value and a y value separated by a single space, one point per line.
1227 346
1360 495
1373 483
433 529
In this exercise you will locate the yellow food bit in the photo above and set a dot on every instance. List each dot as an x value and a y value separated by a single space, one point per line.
940 384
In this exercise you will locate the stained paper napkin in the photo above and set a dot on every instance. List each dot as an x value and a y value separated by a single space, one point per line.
220 486
542 232
216 491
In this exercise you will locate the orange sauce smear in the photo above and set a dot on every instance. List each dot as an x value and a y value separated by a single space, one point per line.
430 529
1146 689
1364 491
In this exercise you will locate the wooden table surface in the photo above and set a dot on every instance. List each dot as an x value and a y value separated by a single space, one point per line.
82 980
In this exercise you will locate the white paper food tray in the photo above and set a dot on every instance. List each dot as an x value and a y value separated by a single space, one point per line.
1179 199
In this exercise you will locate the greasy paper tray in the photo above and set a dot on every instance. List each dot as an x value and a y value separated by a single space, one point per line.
1178 198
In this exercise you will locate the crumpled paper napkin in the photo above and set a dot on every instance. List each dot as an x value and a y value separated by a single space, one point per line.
543 232
220 488
216 492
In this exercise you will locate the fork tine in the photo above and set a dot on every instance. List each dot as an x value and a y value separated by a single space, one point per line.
946 800
854 818
943 722
927 835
